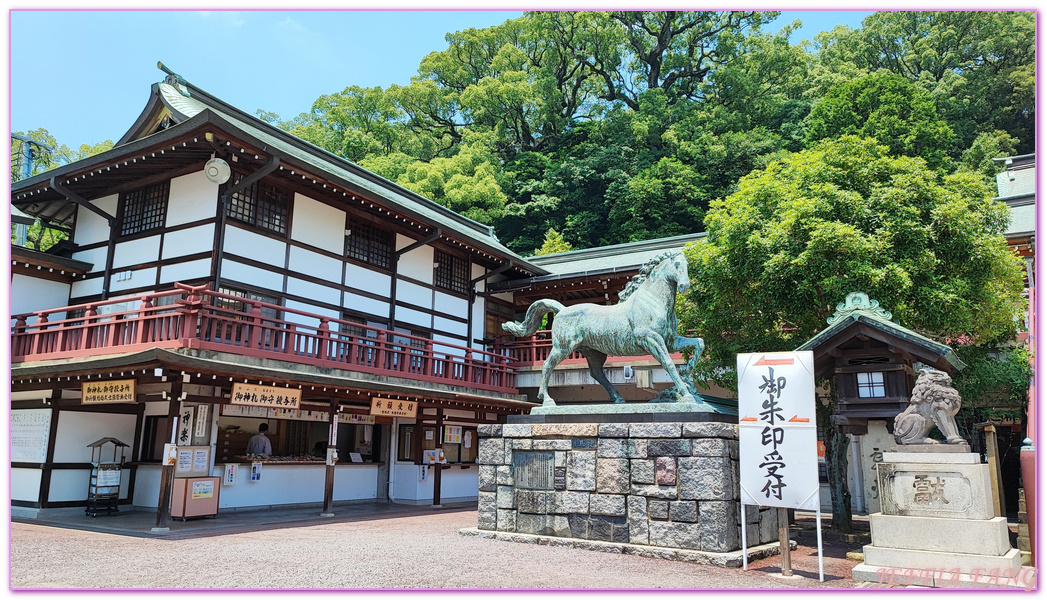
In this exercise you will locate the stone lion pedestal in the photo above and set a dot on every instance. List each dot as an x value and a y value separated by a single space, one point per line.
937 527
649 480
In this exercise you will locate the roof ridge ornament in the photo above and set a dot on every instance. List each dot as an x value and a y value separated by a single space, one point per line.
174 79
858 302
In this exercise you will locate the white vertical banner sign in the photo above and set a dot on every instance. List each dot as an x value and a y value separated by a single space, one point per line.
778 432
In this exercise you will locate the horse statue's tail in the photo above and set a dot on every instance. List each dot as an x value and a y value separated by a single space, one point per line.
533 318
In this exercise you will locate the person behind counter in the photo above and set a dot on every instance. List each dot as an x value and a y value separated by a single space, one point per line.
259 443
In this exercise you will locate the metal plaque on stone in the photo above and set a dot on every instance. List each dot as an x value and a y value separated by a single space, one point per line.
560 478
533 470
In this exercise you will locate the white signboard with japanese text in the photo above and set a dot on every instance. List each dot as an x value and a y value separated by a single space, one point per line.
30 431
777 430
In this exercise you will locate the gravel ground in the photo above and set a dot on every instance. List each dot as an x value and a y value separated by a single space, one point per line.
418 551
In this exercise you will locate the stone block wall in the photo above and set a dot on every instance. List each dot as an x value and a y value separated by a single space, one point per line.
654 484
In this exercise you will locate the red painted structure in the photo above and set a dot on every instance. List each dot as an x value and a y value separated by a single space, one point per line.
191 317
534 350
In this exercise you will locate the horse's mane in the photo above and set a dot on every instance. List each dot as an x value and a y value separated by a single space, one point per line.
645 271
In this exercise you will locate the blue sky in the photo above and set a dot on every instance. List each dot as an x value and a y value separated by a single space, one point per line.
85 75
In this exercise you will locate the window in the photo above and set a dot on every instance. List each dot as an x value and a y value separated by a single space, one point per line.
870 385
369 244
452 273
145 208
262 205
242 306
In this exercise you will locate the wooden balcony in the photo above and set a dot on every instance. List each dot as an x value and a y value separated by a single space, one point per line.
196 317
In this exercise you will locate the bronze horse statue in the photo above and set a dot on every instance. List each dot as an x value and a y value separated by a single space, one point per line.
643 322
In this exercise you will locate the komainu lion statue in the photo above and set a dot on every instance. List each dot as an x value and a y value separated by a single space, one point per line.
934 402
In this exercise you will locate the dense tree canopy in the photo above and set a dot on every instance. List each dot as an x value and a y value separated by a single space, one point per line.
621 126
846 216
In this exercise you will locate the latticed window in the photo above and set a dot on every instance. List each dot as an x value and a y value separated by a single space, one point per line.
145 208
369 244
262 205
870 385
452 273
242 306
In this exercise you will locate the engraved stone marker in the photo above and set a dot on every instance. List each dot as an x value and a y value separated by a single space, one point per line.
533 470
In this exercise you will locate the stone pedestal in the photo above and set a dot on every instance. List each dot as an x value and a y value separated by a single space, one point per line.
937 527
666 488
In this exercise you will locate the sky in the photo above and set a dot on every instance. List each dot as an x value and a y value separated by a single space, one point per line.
85 75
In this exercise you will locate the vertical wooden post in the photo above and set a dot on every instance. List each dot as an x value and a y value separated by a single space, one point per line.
163 506
437 467
783 540
332 442
992 457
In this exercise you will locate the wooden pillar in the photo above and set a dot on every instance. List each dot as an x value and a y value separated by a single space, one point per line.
163 506
783 540
332 442
437 467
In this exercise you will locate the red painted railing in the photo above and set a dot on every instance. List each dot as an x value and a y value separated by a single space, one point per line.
192 317
534 350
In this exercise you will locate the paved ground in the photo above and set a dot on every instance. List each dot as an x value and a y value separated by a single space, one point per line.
361 547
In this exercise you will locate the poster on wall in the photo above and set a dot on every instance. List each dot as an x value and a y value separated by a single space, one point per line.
203 488
200 460
452 434
467 439
256 471
202 413
185 461
30 432
170 455
230 473
185 426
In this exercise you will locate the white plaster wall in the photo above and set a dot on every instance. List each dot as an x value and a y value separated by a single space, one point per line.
296 484
139 278
380 310
31 294
267 280
366 279
478 322
136 252
193 198
448 326
318 224
452 305
306 289
414 294
71 485
317 265
78 429
254 246
413 317
416 264
311 321
25 484
96 257
147 486
189 241
91 228
89 287
455 483
186 271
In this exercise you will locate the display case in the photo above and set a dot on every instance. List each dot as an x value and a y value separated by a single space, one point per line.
103 489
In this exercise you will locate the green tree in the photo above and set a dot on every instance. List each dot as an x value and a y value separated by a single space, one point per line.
553 244
664 200
987 146
885 107
847 216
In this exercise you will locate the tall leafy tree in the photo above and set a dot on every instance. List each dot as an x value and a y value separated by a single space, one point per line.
847 216
889 109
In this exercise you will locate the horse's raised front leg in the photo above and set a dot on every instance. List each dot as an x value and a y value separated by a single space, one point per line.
556 356
654 344
596 360
696 344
